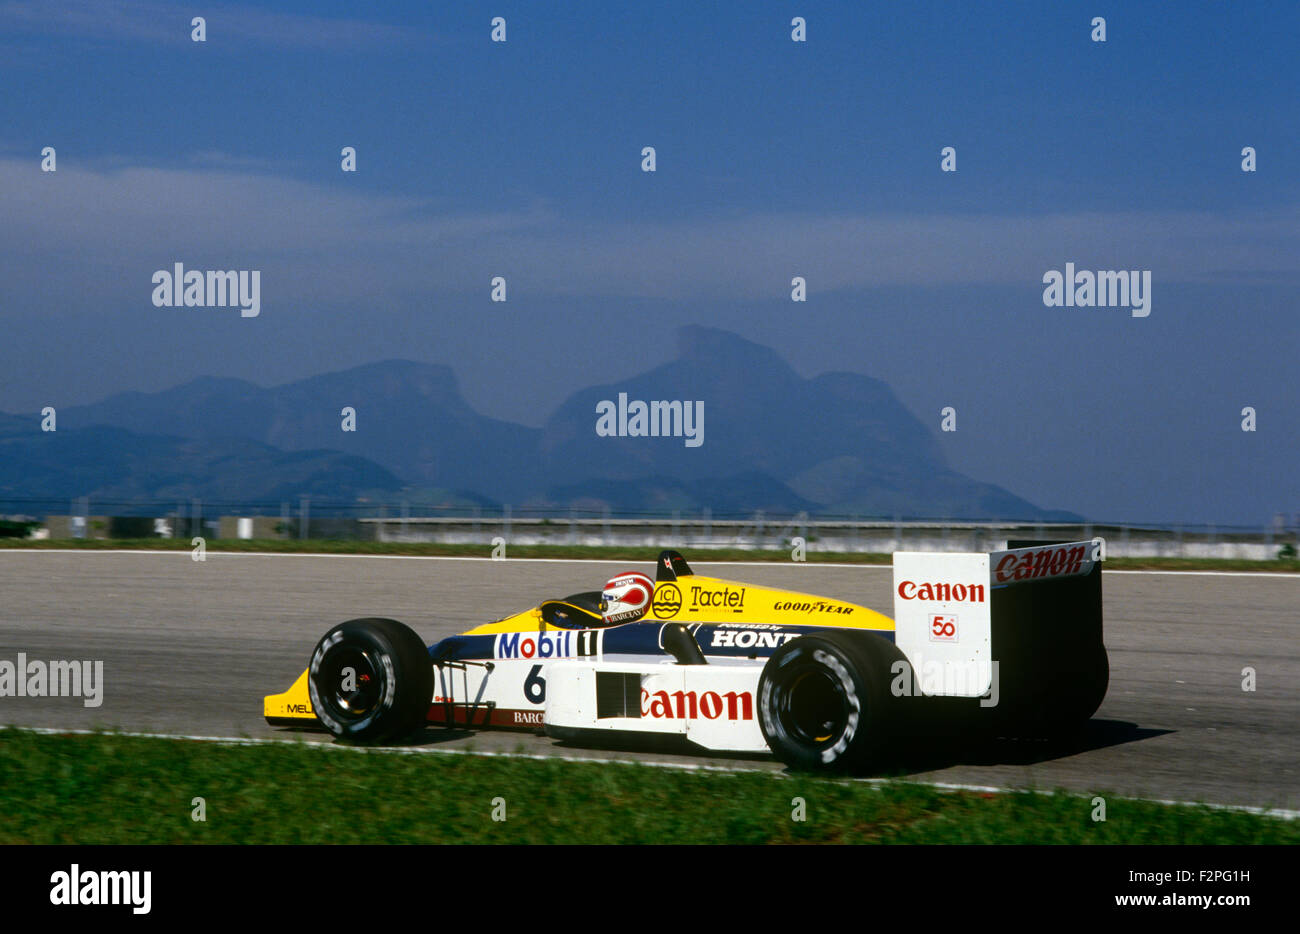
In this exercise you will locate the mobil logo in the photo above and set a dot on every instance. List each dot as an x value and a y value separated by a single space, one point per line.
534 645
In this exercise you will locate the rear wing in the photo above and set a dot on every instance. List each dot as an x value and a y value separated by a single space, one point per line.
1027 613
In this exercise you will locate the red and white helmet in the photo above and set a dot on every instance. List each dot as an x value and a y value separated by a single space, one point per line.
627 597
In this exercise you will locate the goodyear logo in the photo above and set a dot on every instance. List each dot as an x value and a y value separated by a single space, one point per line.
667 601
810 606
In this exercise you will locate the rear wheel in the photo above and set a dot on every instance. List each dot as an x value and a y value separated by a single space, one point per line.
370 680
824 701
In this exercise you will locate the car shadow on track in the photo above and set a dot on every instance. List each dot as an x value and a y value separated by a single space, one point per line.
925 751
437 735
674 746
428 736
931 753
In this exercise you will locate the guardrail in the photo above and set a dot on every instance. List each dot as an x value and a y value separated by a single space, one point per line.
697 531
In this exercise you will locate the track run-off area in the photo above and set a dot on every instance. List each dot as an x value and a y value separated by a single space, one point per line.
190 647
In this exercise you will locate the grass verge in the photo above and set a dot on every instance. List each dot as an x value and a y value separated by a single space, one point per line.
108 788
584 552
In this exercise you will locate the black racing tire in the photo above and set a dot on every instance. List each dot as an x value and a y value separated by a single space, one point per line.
825 704
387 697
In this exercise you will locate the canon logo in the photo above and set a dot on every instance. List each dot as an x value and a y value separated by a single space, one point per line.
947 593
1060 561
687 705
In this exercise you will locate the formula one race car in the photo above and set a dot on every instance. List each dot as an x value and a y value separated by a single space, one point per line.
1009 641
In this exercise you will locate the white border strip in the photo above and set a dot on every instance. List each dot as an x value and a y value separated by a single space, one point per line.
1280 813
699 562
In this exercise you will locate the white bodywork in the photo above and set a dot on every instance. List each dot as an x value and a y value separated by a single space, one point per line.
942 621
714 706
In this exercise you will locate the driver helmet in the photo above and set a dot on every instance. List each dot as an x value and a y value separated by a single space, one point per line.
626 597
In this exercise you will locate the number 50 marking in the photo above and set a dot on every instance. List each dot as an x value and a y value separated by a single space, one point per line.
943 628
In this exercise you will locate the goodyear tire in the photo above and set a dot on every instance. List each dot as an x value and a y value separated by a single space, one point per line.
825 704
370 680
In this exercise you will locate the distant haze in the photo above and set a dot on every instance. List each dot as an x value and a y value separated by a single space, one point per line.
775 159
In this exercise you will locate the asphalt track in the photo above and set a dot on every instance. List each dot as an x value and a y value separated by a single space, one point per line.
190 647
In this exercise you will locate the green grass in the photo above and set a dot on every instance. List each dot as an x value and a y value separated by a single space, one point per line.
109 788
587 552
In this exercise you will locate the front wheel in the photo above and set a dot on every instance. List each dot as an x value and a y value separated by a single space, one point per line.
370 680
825 704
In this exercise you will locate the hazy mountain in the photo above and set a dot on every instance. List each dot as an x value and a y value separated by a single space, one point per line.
410 419
838 443
116 466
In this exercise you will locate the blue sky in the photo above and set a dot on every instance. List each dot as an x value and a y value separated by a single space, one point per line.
774 159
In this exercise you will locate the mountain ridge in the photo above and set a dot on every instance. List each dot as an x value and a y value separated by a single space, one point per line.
836 443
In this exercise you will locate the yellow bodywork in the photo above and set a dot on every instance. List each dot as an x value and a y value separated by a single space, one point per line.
696 599
293 704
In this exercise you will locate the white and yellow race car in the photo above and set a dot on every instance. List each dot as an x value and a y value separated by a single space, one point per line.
1009 641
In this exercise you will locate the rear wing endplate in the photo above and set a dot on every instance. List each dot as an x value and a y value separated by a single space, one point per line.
1029 610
